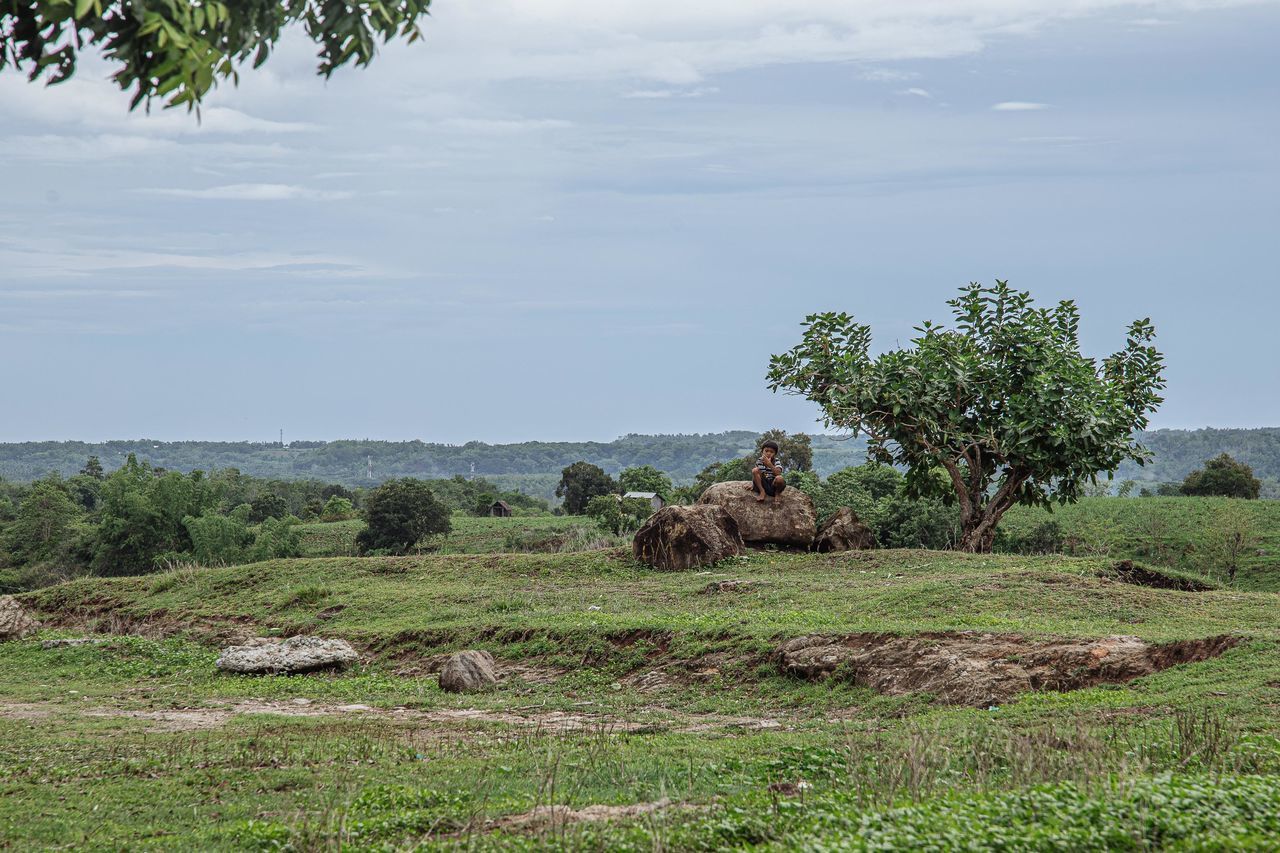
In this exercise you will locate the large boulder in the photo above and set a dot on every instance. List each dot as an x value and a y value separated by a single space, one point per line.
15 623
844 532
468 672
789 519
686 537
297 654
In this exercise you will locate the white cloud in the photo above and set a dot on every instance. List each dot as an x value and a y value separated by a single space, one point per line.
1018 106
916 92
697 92
504 126
252 192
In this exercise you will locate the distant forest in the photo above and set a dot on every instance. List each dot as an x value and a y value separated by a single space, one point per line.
534 466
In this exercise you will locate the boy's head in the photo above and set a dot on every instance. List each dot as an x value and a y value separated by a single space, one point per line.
769 450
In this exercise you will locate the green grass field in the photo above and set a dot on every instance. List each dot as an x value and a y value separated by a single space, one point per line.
470 535
1180 533
626 694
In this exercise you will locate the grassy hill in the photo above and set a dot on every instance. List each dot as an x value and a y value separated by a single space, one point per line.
636 710
1186 534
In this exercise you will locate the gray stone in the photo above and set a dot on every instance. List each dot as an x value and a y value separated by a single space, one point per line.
15 623
844 532
296 654
468 672
684 537
789 519
67 643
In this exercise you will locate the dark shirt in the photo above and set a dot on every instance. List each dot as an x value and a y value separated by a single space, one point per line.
766 470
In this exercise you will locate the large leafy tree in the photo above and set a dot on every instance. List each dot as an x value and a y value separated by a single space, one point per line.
1004 403
579 483
795 452
645 478
399 513
176 50
1224 477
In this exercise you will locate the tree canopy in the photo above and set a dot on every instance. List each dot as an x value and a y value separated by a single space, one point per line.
1225 477
177 50
399 513
1005 404
579 483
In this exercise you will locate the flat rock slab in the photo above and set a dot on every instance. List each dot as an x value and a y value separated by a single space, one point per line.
71 643
296 654
15 623
971 668
788 519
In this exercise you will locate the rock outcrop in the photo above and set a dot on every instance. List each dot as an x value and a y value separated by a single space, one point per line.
844 532
468 672
788 519
297 654
686 537
15 623
971 668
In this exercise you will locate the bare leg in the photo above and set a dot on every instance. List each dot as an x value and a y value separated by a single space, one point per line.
757 485
778 485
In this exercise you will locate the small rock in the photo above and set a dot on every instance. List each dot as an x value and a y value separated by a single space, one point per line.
468 672
354 708
844 532
14 621
296 654
302 701
62 644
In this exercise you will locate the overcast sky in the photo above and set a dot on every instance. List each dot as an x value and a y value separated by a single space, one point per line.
574 219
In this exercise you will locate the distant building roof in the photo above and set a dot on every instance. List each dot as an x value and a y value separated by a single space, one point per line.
646 495
502 504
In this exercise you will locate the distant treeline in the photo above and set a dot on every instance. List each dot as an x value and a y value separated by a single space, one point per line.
534 467
350 462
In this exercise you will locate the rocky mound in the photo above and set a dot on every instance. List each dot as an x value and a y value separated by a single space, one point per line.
844 532
970 668
686 537
14 621
788 519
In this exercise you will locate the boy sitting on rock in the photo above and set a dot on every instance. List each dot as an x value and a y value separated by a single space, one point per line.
766 477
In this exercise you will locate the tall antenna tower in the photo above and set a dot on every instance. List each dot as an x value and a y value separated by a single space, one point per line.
282 436
473 470
369 467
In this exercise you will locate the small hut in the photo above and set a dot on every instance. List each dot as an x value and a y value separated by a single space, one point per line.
655 500
500 509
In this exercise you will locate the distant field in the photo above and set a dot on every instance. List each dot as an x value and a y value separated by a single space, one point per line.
470 535
628 693
1170 532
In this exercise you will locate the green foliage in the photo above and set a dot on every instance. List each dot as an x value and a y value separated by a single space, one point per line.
177 50
795 452
337 509
270 505
216 539
1005 403
579 483
645 478
619 515
399 513
142 516
1223 477
41 529
865 489
720 472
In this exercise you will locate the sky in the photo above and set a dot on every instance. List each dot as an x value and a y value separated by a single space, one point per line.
576 219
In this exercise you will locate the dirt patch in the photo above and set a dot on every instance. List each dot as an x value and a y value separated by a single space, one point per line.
549 817
1126 571
971 668
733 585
445 722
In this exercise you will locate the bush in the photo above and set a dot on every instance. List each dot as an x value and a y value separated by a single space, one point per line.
1224 477
338 509
619 515
398 514
1045 538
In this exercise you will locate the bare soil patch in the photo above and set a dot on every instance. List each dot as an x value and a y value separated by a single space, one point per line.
979 669
1126 571
545 818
